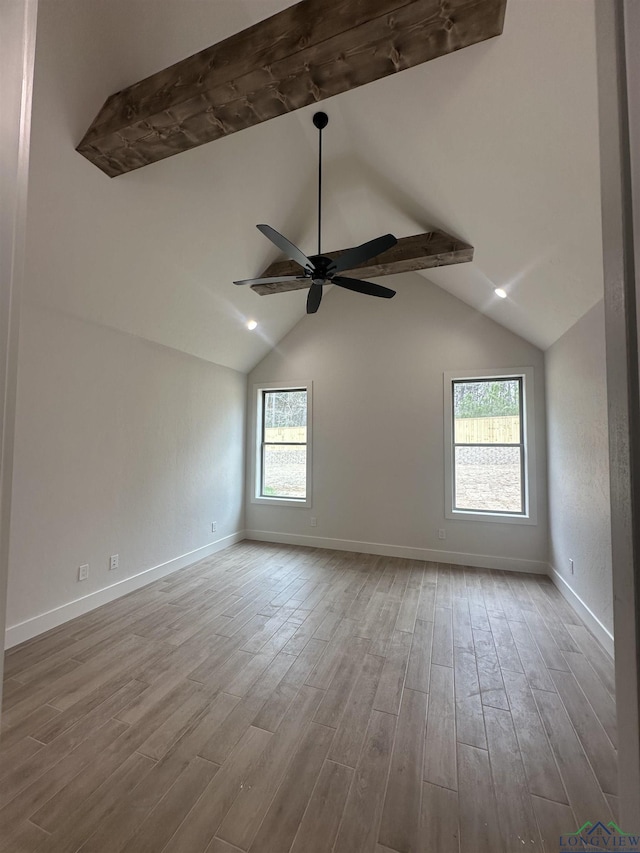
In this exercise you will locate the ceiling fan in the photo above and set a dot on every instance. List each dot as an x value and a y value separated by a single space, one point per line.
320 269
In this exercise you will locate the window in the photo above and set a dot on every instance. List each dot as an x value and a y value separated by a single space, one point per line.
282 458
489 436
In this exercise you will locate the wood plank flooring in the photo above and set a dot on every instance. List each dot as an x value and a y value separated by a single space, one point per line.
275 698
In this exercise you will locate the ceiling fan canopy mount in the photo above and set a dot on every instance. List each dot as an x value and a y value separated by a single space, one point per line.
321 120
319 268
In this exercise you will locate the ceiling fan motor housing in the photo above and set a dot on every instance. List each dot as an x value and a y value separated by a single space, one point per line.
322 267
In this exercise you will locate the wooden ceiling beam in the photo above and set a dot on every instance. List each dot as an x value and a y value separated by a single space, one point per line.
310 51
420 252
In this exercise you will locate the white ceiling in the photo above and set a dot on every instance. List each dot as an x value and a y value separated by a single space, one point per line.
497 144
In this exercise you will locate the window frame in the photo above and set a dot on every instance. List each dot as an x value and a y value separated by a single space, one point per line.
257 456
527 434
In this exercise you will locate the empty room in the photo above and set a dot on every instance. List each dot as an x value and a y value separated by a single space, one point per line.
318 476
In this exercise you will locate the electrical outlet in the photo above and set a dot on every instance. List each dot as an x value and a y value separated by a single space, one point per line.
214 526
313 521
114 562
571 565
442 533
83 572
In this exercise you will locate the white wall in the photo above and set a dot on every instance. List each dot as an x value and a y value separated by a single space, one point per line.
578 453
378 457
122 447
130 435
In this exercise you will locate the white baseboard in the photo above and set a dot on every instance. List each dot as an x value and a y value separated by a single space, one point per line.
584 612
481 561
30 628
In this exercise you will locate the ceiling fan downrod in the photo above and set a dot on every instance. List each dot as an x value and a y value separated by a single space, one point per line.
320 120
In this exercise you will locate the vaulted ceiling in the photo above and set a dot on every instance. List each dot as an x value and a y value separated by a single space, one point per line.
496 144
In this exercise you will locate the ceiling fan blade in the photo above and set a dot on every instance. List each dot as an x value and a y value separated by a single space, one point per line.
314 298
363 287
272 280
359 254
285 246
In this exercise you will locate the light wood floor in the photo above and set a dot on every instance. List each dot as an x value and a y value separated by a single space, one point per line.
275 699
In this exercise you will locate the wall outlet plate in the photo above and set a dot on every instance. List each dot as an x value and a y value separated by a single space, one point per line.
83 572
442 533
313 521
114 562
214 526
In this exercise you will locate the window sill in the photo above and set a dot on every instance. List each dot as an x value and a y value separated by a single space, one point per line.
493 517
286 502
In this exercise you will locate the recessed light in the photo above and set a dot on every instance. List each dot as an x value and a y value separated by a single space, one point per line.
500 292
251 325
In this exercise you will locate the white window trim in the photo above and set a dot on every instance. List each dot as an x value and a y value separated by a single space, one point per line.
256 439
530 516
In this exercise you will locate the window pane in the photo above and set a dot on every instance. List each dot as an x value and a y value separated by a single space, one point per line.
285 416
488 478
285 472
487 412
